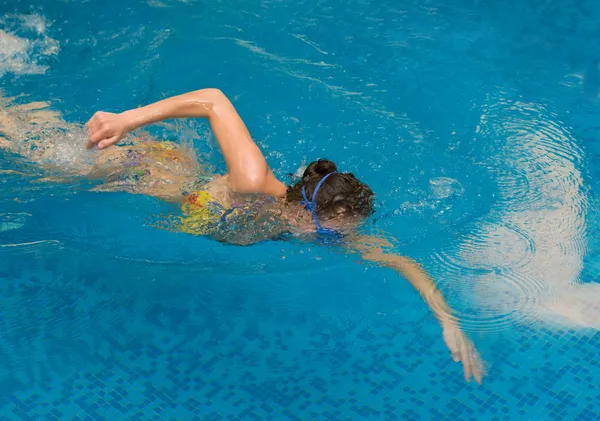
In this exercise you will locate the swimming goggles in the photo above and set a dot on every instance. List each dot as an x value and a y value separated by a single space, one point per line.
311 205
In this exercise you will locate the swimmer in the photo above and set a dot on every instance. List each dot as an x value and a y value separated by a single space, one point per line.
247 204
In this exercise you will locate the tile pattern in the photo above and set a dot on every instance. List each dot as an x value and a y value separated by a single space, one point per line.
76 344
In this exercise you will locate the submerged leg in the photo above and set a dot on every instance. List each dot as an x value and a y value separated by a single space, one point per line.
41 135
160 169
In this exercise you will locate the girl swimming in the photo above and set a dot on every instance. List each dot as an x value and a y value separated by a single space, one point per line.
246 205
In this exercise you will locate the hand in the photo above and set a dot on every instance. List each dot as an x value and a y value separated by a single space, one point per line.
106 129
463 350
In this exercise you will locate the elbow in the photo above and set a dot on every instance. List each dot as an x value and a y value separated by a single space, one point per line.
215 92
215 100
207 100
215 96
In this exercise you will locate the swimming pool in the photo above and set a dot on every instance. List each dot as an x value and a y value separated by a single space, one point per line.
476 125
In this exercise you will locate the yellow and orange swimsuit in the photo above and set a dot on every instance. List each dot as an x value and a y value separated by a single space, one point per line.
201 212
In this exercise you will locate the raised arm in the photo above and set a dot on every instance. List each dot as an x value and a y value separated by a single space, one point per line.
248 169
373 249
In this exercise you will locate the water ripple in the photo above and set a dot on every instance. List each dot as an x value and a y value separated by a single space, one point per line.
12 221
515 298
489 263
529 248
33 246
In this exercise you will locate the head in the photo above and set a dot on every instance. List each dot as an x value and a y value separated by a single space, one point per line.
341 197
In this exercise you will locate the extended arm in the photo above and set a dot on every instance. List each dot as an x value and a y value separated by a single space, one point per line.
371 249
248 169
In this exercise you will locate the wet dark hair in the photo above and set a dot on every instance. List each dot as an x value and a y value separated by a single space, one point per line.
342 194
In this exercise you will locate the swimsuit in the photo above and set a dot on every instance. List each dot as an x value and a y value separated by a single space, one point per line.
201 213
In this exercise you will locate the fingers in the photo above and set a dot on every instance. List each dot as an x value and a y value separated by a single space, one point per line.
105 136
451 343
98 129
108 142
96 136
479 371
92 124
470 360
472 365
466 360
462 350
478 376
93 127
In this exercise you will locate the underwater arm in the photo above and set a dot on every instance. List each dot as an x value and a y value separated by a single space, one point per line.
372 249
248 169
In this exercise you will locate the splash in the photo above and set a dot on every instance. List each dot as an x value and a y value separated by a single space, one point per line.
24 45
35 131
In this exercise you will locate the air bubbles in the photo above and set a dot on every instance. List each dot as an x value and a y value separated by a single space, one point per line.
444 187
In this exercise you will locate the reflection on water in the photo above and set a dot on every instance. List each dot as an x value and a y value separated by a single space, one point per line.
518 263
524 258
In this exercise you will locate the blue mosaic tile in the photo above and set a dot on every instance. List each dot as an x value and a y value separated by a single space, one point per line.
216 351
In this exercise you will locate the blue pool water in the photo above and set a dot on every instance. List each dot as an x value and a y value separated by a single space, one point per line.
476 124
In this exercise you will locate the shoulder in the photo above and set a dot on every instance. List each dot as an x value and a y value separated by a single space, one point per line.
219 187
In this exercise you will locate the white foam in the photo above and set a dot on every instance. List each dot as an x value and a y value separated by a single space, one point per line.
35 22
24 44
